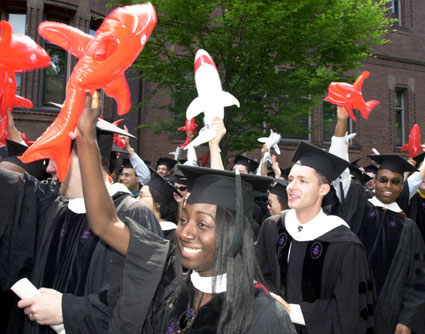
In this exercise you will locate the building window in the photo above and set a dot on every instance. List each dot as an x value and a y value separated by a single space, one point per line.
399 110
18 21
396 12
55 75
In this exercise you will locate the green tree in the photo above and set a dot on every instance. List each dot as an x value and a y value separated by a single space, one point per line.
276 57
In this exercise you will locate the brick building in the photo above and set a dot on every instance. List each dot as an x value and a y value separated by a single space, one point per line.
397 80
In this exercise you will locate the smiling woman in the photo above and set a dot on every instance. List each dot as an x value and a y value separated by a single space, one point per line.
208 282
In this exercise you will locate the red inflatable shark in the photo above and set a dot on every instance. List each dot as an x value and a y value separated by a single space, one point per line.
19 53
102 62
350 96
190 128
414 146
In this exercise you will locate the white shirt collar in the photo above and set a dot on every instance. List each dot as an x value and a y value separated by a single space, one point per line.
313 229
77 205
205 284
167 226
392 206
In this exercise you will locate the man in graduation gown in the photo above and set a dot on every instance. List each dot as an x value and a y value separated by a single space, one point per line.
45 237
393 243
313 260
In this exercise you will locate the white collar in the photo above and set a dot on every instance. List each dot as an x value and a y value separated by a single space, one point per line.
392 206
314 228
167 226
77 205
205 284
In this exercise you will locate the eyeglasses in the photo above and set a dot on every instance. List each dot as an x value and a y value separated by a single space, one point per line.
181 188
385 180
271 203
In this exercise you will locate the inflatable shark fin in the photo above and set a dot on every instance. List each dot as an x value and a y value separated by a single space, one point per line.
64 35
195 108
119 91
228 99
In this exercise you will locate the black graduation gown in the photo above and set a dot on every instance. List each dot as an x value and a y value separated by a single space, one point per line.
143 281
54 247
417 212
395 251
335 293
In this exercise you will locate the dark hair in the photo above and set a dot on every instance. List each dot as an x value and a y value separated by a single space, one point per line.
168 207
237 303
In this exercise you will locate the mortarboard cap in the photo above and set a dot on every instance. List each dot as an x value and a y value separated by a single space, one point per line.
215 186
230 190
117 149
359 174
178 177
160 184
279 189
327 164
370 169
126 164
36 168
170 163
392 162
250 164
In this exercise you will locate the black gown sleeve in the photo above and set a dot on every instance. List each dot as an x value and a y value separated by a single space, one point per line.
266 253
270 317
135 279
348 308
413 296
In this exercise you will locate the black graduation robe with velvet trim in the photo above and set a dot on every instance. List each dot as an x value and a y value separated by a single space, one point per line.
396 252
53 246
335 289
142 282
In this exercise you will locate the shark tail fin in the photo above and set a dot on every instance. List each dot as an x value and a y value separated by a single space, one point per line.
369 107
276 148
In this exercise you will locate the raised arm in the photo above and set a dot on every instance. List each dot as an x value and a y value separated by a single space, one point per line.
101 214
214 144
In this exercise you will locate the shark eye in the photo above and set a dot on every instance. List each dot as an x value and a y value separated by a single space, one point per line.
143 40
10 80
33 57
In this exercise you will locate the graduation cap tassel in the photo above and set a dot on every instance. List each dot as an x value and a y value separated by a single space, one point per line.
236 245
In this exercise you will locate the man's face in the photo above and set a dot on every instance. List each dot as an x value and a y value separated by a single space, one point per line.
129 178
162 170
370 185
304 190
388 186
51 169
182 188
242 168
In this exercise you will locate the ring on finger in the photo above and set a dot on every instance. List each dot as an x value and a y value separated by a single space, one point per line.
30 316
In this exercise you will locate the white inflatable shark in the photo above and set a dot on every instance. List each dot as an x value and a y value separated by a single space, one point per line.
211 98
271 141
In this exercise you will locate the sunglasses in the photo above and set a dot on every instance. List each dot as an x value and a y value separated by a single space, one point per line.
271 203
181 188
384 180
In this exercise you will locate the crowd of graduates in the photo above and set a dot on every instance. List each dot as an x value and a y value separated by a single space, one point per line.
323 246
